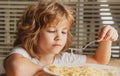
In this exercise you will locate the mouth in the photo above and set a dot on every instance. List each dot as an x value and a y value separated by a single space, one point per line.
56 44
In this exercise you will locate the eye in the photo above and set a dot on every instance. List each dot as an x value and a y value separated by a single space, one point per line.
64 32
51 31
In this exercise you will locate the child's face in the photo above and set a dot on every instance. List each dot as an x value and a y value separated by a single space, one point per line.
53 39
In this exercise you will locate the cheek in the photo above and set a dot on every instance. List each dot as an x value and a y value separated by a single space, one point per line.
44 43
65 39
45 40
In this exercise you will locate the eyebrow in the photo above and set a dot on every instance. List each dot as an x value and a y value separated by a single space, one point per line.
55 27
65 28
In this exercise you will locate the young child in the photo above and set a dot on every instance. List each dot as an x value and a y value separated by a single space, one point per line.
44 35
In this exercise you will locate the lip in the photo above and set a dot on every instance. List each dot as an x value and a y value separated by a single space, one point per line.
56 44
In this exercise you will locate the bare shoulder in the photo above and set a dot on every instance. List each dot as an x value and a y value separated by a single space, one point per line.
17 65
15 60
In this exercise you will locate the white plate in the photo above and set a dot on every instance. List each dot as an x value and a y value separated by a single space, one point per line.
93 65
105 67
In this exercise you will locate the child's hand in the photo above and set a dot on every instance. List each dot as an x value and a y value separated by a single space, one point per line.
108 33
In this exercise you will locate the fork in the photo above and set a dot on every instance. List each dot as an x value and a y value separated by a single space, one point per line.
72 49
84 46
90 44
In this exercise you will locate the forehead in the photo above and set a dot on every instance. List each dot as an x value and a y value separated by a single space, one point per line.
60 23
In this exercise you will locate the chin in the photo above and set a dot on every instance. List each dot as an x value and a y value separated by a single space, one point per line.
56 51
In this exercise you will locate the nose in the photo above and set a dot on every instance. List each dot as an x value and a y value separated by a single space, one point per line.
58 36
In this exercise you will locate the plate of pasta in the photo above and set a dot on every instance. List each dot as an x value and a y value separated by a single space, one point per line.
83 70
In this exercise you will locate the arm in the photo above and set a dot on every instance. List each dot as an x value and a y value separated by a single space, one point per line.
42 73
17 65
103 53
106 36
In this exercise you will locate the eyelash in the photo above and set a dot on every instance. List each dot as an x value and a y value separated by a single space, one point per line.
55 31
64 32
51 31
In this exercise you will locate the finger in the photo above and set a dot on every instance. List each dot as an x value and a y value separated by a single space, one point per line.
100 34
103 32
114 36
108 35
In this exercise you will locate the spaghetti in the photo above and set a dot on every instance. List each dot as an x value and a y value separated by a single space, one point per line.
80 71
